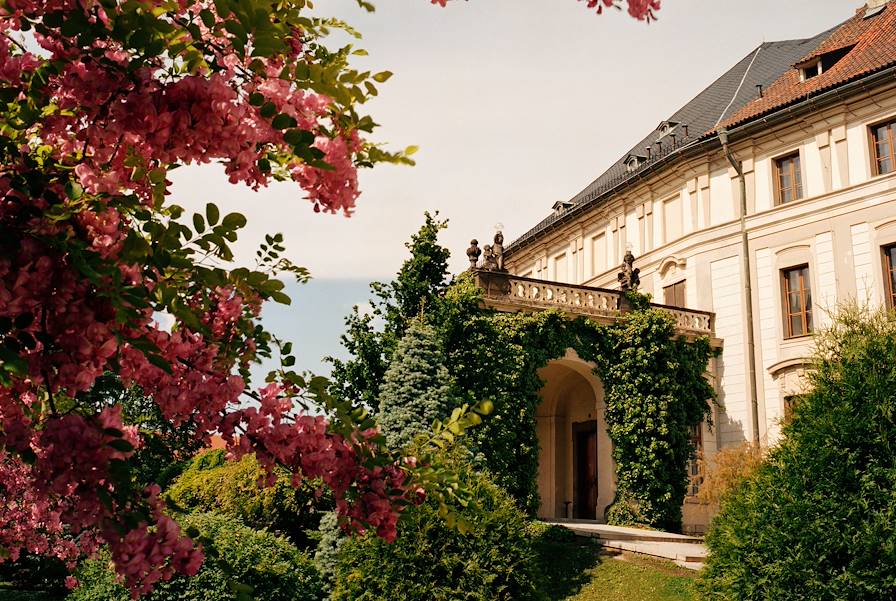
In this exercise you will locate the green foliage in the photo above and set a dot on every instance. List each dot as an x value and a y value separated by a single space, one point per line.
326 557
419 282
653 380
34 572
211 483
259 564
496 356
432 562
416 388
166 448
815 521
564 559
654 392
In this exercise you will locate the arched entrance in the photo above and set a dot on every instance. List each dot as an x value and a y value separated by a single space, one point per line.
576 475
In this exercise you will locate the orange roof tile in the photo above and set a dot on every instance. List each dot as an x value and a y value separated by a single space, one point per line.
874 41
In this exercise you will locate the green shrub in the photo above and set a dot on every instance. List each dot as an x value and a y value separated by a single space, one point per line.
815 520
330 541
236 555
212 483
416 389
431 562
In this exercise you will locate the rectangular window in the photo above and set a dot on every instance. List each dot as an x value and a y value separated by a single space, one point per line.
797 301
788 179
599 254
890 274
884 160
694 476
672 219
674 295
560 269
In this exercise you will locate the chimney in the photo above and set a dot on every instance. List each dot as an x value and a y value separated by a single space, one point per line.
871 4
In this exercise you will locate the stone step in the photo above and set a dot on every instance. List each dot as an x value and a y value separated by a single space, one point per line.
684 554
596 530
686 551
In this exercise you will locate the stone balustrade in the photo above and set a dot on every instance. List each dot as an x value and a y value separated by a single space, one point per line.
505 292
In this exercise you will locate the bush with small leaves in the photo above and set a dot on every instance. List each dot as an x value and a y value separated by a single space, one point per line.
815 520
211 483
241 563
431 561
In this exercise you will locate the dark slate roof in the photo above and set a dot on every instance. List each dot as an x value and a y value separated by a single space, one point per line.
718 102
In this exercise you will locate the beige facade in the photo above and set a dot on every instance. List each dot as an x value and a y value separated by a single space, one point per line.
682 222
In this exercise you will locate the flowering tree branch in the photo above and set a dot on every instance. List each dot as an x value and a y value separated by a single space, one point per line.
97 104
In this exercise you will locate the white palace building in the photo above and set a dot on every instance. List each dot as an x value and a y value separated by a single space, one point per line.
753 210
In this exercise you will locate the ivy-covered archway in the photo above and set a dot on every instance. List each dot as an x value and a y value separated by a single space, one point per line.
653 386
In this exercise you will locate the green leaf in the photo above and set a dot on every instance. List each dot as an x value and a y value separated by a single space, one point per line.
283 121
120 444
159 362
382 76
299 137
234 221
198 223
212 214
256 99
281 298
208 18
268 110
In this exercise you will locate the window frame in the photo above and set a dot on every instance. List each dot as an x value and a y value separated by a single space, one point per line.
796 177
805 293
694 466
889 266
673 288
891 140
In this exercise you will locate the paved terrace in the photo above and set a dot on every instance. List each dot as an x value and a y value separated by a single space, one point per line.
686 551
505 292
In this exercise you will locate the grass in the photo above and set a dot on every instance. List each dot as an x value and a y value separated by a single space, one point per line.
577 569
634 578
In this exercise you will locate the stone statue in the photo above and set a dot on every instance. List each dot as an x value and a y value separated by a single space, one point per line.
489 261
473 253
628 276
498 251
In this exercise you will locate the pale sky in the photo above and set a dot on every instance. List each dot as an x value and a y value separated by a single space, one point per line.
515 104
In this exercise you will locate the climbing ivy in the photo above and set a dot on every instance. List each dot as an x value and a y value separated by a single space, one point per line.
655 392
653 380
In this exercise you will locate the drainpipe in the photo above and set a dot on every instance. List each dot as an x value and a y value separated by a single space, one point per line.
748 286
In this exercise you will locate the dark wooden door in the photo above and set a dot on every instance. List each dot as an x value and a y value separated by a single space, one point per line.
585 470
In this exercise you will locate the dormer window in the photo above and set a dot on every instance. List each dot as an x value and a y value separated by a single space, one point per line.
666 127
562 206
821 63
633 161
810 69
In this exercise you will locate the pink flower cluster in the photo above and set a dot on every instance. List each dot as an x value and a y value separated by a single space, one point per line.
304 445
98 125
161 546
639 9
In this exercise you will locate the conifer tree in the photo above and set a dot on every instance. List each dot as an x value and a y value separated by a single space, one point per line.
417 386
423 277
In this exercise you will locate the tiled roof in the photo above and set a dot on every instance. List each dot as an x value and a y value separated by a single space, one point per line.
873 42
722 99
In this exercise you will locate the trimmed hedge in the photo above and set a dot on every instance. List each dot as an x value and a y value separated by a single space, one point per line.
816 520
236 556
